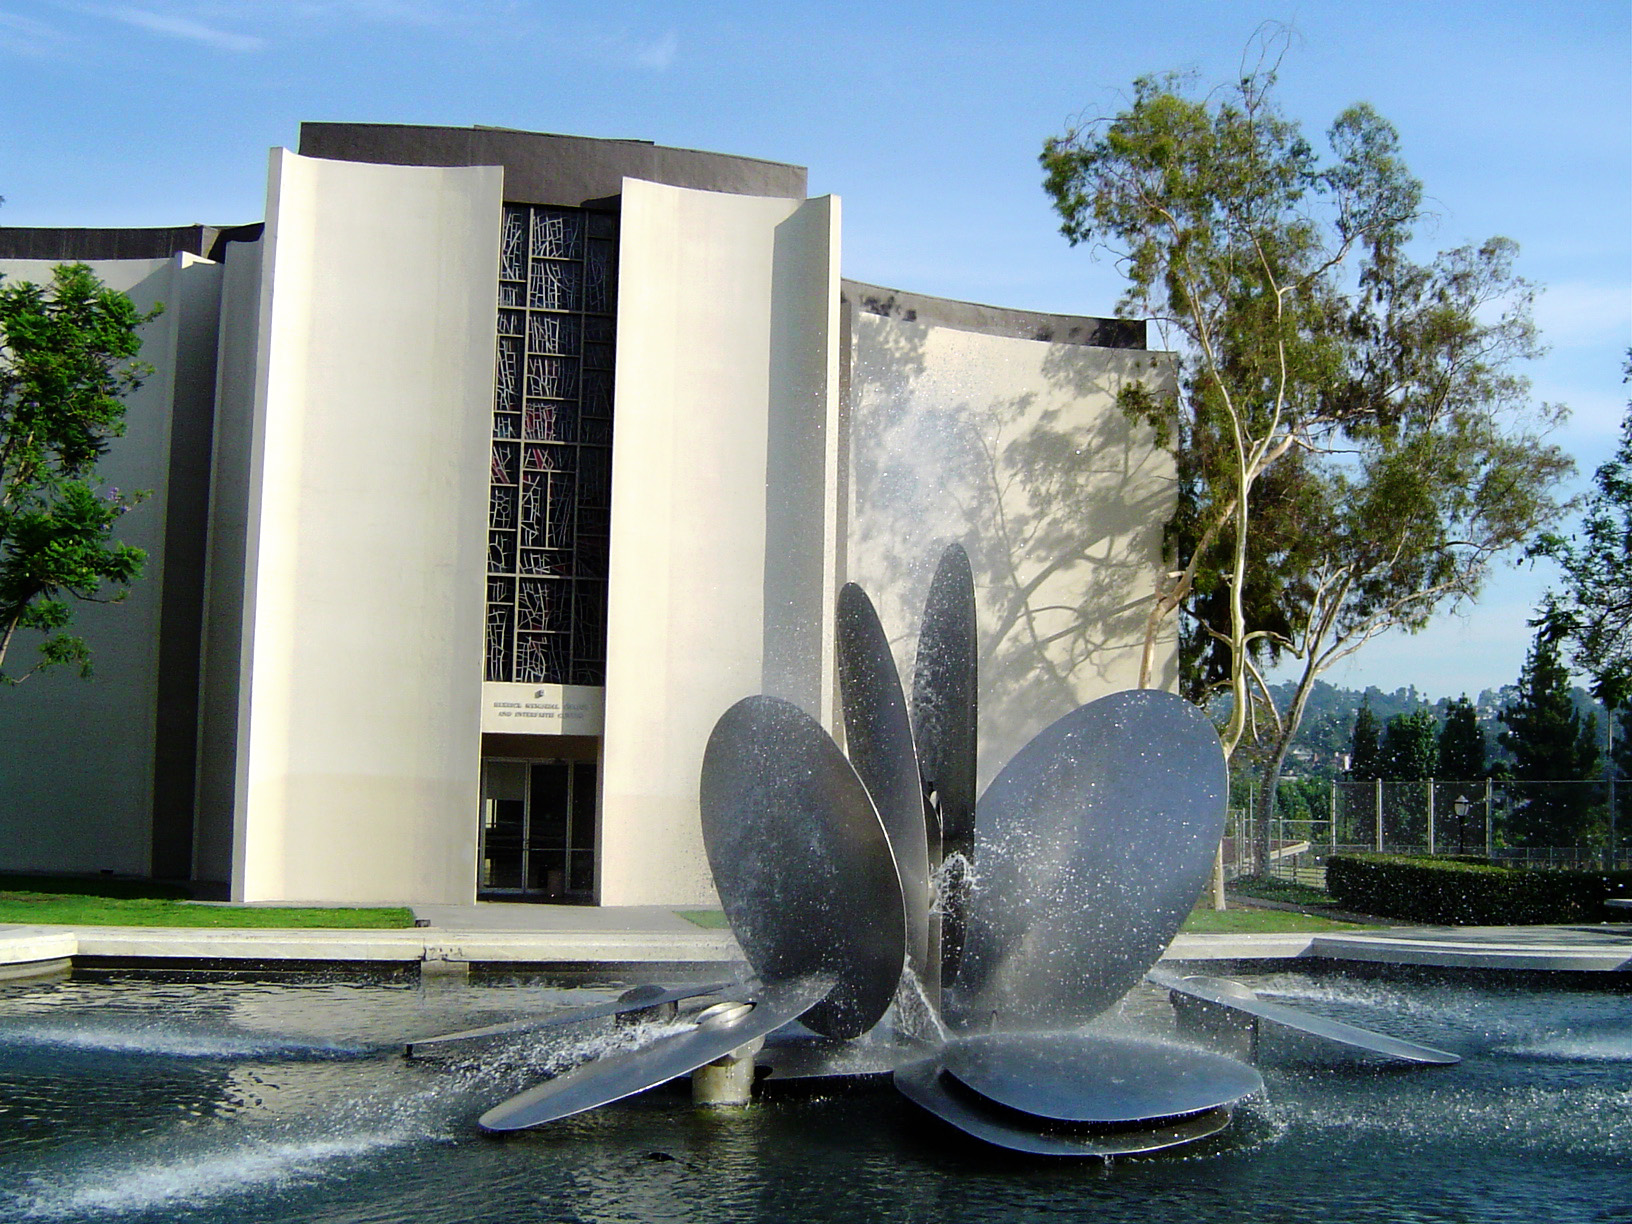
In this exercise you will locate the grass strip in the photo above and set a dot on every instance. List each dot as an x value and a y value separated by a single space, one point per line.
1208 921
48 909
1274 888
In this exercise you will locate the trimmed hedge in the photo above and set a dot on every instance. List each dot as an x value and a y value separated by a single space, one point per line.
1459 892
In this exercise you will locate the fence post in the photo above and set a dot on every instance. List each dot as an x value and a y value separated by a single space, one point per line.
1430 818
1379 815
1490 825
1333 829
1609 754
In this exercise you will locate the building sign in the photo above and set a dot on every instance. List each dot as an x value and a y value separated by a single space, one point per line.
542 709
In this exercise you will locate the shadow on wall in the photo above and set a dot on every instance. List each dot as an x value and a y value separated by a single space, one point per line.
1015 449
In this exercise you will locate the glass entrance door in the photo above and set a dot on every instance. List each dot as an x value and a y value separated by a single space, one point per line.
538 830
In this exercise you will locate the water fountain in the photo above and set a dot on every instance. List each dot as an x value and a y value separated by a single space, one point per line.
1079 864
1004 981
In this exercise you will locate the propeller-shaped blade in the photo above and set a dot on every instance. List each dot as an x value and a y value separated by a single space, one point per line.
1090 849
801 862
1222 992
878 734
719 1029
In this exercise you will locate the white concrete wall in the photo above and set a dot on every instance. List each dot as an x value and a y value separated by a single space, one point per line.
359 702
76 756
1015 449
722 529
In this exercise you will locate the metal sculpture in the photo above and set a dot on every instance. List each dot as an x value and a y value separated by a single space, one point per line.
1092 845
1087 850
801 862
878 734
1225 995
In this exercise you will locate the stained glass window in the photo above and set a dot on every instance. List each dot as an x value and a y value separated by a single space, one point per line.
552 431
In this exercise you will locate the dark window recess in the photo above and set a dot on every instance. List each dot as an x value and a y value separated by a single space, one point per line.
552 433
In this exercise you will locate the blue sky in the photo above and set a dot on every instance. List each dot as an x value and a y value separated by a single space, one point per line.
926 118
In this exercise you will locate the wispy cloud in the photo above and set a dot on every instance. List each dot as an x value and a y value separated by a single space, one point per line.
28 36
657 55
173 25
285 14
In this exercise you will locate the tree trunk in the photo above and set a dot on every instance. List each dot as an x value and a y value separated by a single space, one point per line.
1268 790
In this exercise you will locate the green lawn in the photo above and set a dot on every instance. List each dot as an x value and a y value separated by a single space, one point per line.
1204 920
1277 888
32 900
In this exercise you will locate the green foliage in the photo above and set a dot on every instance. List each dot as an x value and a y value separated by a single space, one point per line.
1462 892
1462 743
1410 748
1277 888
1365 745
67 359
1594 611
1304 798
1550 742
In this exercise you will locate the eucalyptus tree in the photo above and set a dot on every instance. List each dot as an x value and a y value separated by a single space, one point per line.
1353 447
67 360
1594 610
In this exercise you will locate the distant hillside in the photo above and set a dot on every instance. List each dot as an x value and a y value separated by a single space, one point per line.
1328 720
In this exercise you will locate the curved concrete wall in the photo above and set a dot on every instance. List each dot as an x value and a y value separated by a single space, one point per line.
77 769
1015 448
359 721
722 519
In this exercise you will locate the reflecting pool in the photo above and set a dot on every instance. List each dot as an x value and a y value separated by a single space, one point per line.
146 1097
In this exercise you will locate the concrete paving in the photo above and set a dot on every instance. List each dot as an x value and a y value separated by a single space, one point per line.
460 936
1598 948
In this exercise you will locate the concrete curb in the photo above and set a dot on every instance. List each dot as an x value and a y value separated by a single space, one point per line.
1491 953
37 949
35 945
25 951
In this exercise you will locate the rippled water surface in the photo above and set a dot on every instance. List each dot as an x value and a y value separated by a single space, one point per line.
141 1098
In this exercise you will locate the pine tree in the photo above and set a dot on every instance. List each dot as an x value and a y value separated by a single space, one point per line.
1550 743
1410 747
1363 744
1461 743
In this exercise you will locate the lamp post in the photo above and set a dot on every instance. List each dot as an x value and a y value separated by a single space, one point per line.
1460 807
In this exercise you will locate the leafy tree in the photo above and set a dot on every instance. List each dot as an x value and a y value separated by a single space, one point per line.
1550 743
1409 757
67 357
1365 757
1352 447
1594 611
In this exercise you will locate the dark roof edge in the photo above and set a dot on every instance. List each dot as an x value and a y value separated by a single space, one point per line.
995 320
64 244
544 168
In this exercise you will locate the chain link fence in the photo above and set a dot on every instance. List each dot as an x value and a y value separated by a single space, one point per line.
1524 824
